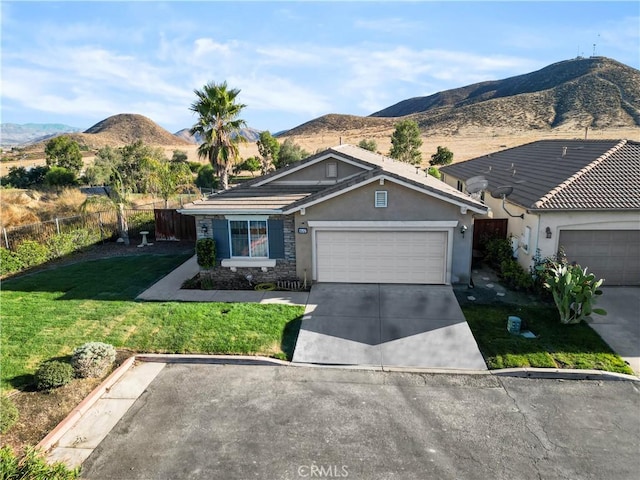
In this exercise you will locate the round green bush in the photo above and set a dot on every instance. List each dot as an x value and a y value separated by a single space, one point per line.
93 359
53 374
8 414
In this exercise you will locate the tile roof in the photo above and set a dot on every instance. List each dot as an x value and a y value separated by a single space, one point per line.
263 193
562 174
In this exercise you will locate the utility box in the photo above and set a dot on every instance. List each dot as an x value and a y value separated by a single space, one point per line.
513 325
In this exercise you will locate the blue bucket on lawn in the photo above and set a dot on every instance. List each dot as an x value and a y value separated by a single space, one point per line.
513 325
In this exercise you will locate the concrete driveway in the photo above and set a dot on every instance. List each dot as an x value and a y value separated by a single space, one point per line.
620 328
386 325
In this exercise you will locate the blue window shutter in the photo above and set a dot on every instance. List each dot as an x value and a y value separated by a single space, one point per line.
276 238
221 236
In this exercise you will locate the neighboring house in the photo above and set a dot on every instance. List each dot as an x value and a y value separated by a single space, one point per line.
342 215
579 195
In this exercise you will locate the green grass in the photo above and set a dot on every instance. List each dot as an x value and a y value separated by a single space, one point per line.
48 314
558 346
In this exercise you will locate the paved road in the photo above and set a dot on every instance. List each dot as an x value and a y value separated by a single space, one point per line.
242 422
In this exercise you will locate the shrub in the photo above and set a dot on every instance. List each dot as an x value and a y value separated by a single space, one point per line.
32 253
206 252
497 250
141 220
8 414
206 177
574 292
515 276
61 244
60 177
9 262
53 374
32 466
93 359
434 172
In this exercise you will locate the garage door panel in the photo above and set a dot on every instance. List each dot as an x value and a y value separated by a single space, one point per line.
381 256
610 254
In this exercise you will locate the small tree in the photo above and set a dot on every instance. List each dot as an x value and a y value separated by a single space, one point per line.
443 156
406 143
179 156
434 172
251 164
168 178
574 291
59 177
63 152
207 177
289 153
368 145
269 148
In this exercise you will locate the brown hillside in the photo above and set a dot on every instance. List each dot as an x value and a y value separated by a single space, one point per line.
127 128
595 93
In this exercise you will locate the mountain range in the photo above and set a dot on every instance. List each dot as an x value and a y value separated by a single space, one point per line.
568 96
594 92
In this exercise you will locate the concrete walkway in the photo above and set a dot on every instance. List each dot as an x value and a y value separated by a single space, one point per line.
386 325
620 328
168 289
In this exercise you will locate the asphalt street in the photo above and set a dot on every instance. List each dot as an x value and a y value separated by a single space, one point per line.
198 421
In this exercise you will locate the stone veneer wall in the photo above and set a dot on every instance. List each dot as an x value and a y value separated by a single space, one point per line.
285 268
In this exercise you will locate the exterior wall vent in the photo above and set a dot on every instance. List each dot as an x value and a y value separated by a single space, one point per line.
381 199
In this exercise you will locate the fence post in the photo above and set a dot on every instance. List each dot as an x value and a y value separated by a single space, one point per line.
100 227
57 226
6 239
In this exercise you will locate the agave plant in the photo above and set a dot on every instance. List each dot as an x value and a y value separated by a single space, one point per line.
574 292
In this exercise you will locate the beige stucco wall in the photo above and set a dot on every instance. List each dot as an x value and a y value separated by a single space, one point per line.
556 221
317 172
404 204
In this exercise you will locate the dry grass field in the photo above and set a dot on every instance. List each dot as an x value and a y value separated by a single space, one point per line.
468 144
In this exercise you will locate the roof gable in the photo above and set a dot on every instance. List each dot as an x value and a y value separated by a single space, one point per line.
539 171
270 193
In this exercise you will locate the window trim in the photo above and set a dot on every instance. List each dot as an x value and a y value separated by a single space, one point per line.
460 186
248 220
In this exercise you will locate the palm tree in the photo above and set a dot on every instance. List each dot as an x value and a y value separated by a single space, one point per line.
219 126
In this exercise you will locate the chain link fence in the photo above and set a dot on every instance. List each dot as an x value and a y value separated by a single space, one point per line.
103 225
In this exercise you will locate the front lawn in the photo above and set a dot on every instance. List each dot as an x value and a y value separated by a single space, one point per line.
47 314
557 346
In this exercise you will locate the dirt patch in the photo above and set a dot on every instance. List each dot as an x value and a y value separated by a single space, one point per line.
41 412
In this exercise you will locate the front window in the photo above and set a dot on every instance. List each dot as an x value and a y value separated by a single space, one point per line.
249 238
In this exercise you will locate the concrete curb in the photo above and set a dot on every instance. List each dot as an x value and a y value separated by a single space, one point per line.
210 359
70 420
564 374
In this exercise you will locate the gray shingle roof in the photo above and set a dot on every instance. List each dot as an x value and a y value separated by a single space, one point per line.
562 174
257 194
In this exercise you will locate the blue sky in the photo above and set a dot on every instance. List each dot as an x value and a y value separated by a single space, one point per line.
80 62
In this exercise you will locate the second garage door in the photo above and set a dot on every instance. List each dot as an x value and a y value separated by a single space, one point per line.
381 256
611 254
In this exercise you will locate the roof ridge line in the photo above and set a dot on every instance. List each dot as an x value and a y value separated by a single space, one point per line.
540 203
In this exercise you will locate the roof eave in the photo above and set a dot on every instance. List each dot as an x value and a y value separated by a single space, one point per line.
229 211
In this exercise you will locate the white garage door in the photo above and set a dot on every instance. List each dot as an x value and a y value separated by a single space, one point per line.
611 254
381 257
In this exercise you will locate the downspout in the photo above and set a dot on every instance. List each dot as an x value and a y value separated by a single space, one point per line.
535 252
